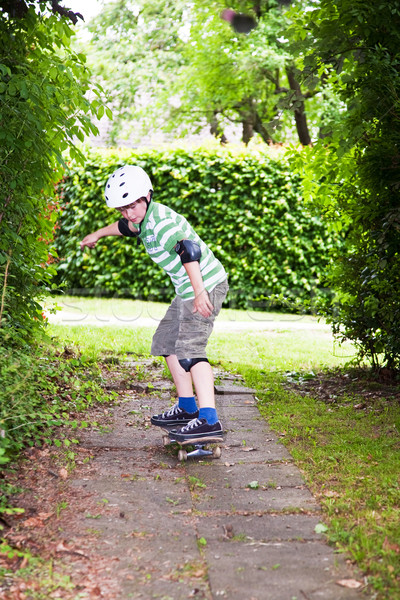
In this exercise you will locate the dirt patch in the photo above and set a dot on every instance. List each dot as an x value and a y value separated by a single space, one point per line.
52 561
358 386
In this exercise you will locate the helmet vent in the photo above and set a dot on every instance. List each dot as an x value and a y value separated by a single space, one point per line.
125 195
121 184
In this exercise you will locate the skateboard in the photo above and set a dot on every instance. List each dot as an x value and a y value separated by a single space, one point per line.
209 447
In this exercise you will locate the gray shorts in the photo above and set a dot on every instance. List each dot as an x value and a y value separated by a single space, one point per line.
185 333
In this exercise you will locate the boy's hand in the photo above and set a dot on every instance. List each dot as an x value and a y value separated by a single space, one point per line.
202 304
90 240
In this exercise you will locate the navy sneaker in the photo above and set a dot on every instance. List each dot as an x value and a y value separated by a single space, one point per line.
173 416
197 431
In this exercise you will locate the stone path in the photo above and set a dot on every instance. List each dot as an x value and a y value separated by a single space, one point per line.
241 527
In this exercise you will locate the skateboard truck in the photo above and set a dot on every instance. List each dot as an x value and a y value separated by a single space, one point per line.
201 449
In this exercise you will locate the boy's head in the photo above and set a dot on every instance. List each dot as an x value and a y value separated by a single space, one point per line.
127 185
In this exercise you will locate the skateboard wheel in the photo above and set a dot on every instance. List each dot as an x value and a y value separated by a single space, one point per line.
182 455
165 440
217 452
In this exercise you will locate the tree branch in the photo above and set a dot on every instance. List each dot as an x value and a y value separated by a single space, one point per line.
299 112
17 9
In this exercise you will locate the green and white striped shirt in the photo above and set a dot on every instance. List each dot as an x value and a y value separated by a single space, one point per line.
161 229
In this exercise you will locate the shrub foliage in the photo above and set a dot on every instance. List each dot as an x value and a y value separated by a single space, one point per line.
245 204
43 108
354 172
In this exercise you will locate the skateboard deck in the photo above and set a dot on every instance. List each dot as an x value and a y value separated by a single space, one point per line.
201 448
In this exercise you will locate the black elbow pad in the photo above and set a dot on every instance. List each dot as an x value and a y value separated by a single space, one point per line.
188 251
124 228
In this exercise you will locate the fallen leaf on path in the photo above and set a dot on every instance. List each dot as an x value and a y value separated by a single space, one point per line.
33 522
246 449
61 547
37 521
63 473
349 583
199 573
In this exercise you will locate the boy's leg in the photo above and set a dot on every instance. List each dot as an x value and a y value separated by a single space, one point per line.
193 337
201 376
203 381
184 385
164 345
194 332
182 380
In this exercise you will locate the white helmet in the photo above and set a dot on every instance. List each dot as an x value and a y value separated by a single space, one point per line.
126 185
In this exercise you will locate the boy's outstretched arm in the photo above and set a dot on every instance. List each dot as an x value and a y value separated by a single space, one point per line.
202 303
92 238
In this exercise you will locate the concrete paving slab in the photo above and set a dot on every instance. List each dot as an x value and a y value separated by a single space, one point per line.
235 452
230 389
261 527
268 476
233 500
275 571
249 422
238 413
235 401
267 448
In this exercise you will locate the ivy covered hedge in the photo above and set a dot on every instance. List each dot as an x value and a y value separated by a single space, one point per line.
245 204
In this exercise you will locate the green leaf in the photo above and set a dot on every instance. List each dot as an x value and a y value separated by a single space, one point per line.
320 528
253 485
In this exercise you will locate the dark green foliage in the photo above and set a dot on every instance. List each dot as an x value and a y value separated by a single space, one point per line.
42 109
246 205
39 391
355 172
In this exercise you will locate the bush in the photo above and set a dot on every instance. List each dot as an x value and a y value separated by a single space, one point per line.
353 172
39 391
43 85
245 204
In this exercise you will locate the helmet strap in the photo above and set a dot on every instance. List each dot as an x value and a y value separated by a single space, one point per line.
147 208
148 201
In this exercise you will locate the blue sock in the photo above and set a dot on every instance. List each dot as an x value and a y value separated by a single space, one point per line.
187 403
209 414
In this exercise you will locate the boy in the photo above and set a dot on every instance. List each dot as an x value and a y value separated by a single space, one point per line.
201 286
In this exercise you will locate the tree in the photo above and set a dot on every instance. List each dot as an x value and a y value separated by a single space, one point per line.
182 68
353 173
43 111
141 42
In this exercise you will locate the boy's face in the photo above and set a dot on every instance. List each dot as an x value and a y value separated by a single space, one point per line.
134 212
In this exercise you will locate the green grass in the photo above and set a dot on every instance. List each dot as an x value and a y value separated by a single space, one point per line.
95 341
279 350
349 457
81 322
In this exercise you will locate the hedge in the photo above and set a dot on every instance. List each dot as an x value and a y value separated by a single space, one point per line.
246 204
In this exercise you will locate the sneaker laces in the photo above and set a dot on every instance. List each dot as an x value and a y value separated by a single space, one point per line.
192 424
175 410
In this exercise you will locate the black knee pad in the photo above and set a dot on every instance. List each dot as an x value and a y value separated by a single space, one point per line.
188 363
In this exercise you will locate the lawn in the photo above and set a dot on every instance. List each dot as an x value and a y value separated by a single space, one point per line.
341 426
